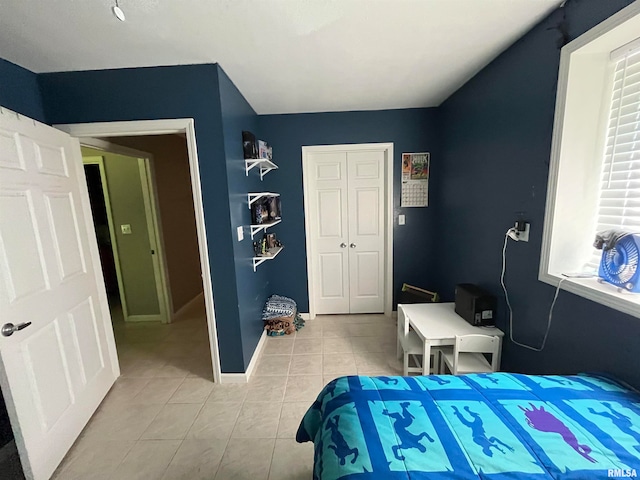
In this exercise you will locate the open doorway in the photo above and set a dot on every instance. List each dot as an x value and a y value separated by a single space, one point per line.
9 458
129 235
185 130
140 192
99 212
90 347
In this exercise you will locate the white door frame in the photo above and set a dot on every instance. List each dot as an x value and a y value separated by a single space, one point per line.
164 127
388 224
154 226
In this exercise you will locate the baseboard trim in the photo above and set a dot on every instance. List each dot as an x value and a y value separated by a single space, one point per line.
233 378
143 318
394 314
186 306
305 316
7 450
256 355
246 376
174 316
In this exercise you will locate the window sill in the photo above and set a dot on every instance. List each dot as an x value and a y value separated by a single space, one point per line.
602 293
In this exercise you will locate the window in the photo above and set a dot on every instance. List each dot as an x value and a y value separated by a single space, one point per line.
619 198
594 177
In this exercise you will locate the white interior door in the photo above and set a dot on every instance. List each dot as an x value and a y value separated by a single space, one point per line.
346 201
56 371
330 230
366 231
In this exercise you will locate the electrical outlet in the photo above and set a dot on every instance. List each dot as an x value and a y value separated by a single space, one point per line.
125 229
240 233
400 219
523 235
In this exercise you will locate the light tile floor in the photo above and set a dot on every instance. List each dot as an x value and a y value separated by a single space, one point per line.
164 419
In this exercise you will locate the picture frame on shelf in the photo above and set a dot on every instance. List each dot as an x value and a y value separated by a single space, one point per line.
264 150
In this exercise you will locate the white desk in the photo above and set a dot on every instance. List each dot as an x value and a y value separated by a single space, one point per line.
437 324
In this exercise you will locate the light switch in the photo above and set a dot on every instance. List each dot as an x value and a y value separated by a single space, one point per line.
240 234
400 219
126 229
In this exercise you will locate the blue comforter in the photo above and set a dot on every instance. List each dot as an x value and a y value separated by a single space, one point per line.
489 426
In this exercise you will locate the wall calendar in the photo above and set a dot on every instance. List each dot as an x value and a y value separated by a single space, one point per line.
415 179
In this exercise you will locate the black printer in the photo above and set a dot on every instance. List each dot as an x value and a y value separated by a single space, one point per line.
475 305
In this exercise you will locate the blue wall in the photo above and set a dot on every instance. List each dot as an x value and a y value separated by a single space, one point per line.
252 287
167 92
19 90
496 142
411 130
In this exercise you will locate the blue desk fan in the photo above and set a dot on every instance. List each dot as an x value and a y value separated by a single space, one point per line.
619 265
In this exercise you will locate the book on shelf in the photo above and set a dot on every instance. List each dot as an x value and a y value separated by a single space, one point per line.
266 210
249 145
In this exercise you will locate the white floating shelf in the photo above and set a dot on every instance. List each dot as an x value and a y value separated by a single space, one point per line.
272 253
265 165
262 227
253 197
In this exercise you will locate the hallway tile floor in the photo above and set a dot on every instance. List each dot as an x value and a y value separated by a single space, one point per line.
165 419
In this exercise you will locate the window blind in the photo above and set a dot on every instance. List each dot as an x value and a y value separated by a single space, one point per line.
619 199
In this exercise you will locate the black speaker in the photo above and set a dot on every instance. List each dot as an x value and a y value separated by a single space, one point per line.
475 305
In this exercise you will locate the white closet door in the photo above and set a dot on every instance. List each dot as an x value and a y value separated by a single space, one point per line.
347 199
329 227
57 369
366 231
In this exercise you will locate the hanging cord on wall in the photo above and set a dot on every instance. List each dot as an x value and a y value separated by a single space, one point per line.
506 295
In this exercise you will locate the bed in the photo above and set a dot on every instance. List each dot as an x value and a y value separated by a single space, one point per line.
488 426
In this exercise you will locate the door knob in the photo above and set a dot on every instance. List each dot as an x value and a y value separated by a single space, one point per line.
8 329
343 245
353 245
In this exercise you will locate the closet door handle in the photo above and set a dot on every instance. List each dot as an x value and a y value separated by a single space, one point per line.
343 245
353 245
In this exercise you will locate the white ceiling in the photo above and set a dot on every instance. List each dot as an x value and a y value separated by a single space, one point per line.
285 56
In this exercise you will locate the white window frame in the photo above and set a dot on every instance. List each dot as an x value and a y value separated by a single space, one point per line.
582 102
